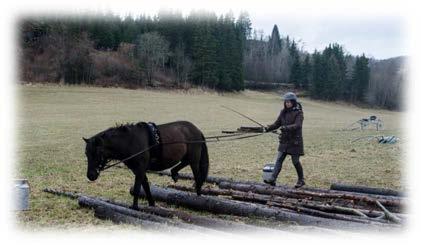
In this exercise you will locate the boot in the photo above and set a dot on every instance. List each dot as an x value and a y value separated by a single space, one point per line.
299 183
276 169
300 173
270 182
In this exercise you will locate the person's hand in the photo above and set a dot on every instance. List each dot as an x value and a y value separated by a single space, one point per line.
265 129
283 128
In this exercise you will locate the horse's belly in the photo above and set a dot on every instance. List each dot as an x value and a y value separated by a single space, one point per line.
162 165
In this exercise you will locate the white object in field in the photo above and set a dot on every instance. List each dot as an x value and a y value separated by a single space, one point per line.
21 194
267 171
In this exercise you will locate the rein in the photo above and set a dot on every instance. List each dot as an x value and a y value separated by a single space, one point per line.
212 140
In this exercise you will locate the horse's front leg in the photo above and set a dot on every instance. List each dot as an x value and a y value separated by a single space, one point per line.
136 190
146 188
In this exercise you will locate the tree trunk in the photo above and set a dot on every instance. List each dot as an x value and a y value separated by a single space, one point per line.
365 189
106 213
212 223
394 203
230 207
272 200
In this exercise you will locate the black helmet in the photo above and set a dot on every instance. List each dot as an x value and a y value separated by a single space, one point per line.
289 96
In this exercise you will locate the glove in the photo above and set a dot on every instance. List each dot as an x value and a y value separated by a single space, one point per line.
283 128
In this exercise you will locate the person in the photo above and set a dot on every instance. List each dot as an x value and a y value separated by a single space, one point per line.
290 121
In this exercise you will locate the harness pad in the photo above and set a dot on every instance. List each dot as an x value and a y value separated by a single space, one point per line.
154 139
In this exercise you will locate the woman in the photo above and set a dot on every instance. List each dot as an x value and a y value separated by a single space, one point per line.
290 121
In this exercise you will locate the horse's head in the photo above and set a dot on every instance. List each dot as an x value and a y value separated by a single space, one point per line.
95 153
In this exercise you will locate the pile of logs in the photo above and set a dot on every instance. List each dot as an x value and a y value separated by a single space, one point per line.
156 218
339 208
370 206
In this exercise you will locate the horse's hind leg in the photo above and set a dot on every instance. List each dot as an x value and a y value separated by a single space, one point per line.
194 164
174 170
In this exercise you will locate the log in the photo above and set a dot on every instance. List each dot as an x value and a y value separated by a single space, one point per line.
231 207
365 189
72 195
217 180
198 220
106 213
297 193
319 213
388 215
94 203
271 200
185 176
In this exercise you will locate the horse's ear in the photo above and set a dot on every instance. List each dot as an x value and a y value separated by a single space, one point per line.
86 140
98 141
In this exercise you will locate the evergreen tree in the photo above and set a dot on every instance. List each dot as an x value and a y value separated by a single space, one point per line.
296 72
319 76
360 79
306 72
274 43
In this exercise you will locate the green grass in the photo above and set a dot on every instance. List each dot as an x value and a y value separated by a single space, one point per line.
52 121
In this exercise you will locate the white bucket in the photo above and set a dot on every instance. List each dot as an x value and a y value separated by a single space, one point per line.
267 171
21 194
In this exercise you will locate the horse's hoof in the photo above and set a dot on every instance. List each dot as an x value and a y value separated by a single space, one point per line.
135 208
174 177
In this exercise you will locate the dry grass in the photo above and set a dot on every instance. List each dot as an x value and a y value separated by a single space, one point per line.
53 119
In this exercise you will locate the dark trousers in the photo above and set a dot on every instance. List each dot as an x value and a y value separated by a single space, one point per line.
278 166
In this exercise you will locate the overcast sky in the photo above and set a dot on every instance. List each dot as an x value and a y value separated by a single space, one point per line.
371 27
379 37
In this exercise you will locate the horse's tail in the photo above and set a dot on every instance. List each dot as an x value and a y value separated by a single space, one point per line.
204 162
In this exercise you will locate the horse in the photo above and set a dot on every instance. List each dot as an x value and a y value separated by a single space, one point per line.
181 143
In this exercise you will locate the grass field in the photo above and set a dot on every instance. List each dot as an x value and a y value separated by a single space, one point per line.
52 121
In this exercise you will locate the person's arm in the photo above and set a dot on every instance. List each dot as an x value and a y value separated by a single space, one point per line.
274 125
298 123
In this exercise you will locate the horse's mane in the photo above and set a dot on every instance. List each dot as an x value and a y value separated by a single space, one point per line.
118 127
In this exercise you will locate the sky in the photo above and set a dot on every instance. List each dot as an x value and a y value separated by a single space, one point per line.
379 37
375 28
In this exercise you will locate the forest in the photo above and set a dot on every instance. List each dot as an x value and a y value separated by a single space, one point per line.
198 50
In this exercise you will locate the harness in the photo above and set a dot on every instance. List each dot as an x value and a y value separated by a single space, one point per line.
155 140
219 138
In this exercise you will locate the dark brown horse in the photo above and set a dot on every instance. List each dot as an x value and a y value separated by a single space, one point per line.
180 142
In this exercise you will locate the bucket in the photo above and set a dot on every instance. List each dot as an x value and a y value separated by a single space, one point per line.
21 194
267 171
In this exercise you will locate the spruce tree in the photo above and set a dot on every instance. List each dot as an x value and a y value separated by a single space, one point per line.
306 72
296 72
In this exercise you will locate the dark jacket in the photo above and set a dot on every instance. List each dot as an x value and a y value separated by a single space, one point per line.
291 138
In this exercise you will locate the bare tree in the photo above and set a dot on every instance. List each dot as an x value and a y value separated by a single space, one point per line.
386 82
153 52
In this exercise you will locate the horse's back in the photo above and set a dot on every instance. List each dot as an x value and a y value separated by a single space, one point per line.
182 129
175 138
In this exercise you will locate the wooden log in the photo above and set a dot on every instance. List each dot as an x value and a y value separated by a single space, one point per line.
297 193
271 200
198 220
106 213
94 203
231 207
217 180
319 213
365 189
72 195
388 215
